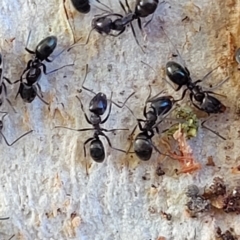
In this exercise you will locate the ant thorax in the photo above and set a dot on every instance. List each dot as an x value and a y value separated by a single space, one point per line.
95 119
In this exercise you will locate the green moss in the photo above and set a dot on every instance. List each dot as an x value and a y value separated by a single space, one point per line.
187 119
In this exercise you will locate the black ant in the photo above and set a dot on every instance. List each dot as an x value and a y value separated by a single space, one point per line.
104 24
3 88
202 100
1 128
159 107
29 90
97 107
83 6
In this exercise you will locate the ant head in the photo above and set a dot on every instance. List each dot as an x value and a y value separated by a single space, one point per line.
98 104
45 47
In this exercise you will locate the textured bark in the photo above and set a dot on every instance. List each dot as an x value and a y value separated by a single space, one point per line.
44 189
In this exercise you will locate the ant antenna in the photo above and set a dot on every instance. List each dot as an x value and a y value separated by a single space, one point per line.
90 90
28 38
10 144
209 129
173 46
80 44
219 85
85 77
156 73
12 237
110 10
6 218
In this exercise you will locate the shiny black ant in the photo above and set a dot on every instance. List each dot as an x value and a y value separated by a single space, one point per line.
1 128
83 6
204 101
159 107
201 99
97 107
107 23
29 90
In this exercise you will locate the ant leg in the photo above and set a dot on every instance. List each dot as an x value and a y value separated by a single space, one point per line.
84 150
86 117
77 130
219 84
204 126
26 46
216 94
162 118
178 53
105 6
10 144
157 150
12 237
19 90
40 97
85 77
5 92
183 95
55 70
122 6
114 129
152 99
137 119
128 7
5 114
135 37
140 25
123 104
149 20
194 104
8 80
109 111
39 89
6 218
131 138
9 102
149 95
204 78
80 44
109 143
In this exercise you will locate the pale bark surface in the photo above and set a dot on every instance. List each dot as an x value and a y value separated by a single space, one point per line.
43 177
